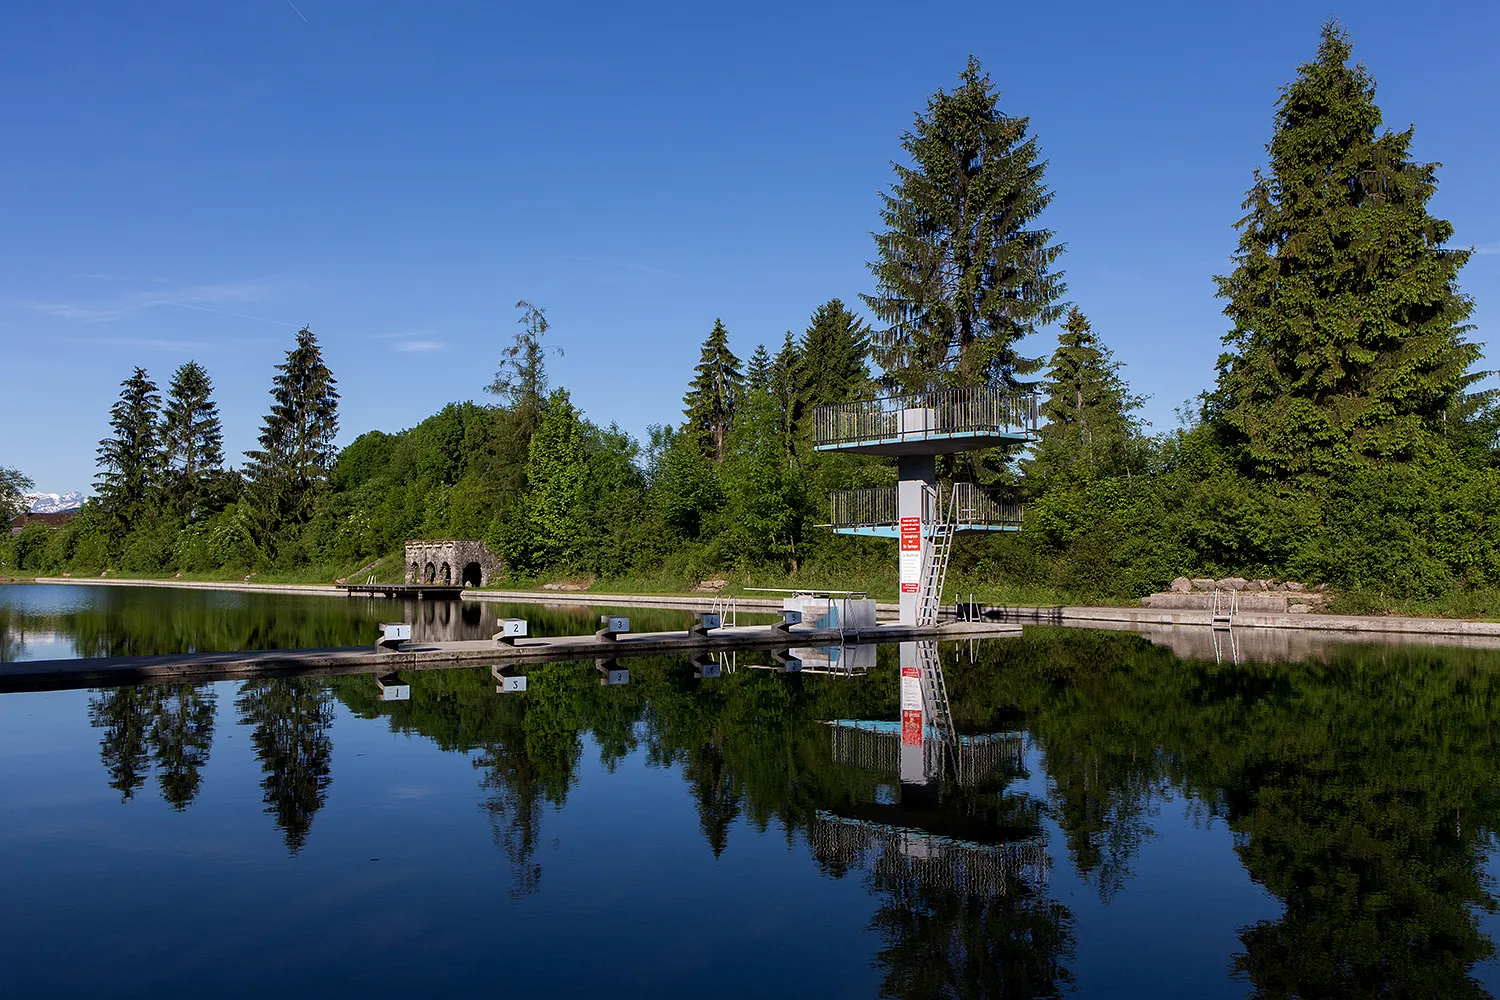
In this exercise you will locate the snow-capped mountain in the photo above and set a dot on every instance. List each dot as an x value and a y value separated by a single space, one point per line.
53 503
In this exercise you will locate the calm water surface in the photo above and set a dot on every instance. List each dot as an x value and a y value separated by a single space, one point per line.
1116 820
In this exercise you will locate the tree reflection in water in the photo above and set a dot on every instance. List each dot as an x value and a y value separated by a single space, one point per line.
291 717
170 728
1361 786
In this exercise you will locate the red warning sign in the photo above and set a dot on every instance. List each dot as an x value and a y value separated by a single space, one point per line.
909 588
911 727
911 534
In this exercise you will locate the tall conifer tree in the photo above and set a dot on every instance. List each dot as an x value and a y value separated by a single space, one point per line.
714 394
296 438
191 435
963 271
1348 339
130 459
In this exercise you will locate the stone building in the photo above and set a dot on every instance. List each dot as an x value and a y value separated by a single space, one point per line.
451 561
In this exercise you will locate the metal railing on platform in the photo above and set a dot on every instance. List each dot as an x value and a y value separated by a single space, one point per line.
876 508
948 412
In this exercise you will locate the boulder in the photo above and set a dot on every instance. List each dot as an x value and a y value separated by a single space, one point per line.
1299 609
1296 588
1261 585
1233 583
1181 585
709 586
1206 586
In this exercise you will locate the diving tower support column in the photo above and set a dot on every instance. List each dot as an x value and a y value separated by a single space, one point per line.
916 486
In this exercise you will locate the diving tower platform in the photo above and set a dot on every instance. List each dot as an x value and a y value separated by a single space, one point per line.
915 428
939 422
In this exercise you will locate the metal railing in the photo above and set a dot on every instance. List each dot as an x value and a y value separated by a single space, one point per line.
948 412
876 507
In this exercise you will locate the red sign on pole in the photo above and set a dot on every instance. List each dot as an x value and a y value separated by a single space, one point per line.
910 588
911 534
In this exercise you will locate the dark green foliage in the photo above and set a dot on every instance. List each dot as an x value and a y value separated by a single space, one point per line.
291 718
130 459
192 439
296 438
1088 430
962 272
1348 322
829 366
714 394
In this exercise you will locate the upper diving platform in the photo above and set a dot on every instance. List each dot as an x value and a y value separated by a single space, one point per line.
928 423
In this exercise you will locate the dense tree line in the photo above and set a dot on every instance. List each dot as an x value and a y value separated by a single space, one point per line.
1344 441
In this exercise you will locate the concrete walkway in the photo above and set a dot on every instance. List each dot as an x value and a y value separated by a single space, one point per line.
1075 616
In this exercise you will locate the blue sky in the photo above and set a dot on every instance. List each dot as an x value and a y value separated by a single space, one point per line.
197 180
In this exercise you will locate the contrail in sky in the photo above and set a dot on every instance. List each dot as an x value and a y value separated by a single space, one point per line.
294 7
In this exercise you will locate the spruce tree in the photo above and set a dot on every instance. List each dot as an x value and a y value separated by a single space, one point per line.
191 435
831 358
1348 339
1089 428
714 394
963 272
758 371
296 438
130 459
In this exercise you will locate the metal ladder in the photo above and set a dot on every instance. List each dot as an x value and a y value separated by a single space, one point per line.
935 700
935 566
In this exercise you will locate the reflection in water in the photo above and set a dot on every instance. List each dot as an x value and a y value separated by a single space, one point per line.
1362 790
171 728
291 717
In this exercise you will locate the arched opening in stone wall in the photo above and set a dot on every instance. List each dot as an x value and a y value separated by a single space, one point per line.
472 575
414 575
447 575
429 574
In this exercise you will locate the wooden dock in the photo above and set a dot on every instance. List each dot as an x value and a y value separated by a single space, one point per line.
194 668
408 591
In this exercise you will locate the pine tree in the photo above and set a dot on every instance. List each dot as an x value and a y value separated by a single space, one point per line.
130 460
191 436
1348 342
962 272
1088 429
296 438
784 389
291 718
714 394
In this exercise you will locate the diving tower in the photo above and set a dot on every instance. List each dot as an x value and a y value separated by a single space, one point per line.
915 428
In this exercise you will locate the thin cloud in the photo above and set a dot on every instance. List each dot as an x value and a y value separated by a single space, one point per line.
190 297
143 343
1488 248
419 345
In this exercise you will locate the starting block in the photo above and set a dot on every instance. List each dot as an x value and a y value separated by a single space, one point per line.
790 664
611 626
706 620
393 634
705 667
788 619
511 629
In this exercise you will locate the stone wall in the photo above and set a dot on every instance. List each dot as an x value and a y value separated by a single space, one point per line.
451 562
1263 596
